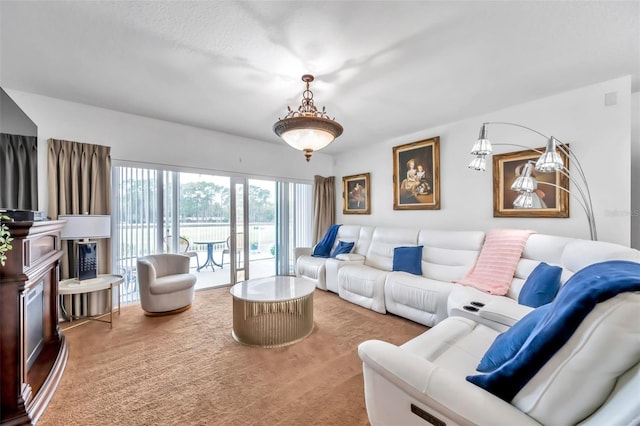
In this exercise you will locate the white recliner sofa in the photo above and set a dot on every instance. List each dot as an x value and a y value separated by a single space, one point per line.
593 380
501 312
365 276
314 268
423 381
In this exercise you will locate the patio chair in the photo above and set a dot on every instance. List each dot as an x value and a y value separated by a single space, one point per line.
239 247
183 248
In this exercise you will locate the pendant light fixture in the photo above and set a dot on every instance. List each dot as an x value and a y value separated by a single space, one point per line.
307 129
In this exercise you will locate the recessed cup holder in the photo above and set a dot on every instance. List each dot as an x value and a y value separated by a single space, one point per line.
477 304
470 308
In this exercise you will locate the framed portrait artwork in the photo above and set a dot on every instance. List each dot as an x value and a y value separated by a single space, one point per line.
416 175
356 194
548 199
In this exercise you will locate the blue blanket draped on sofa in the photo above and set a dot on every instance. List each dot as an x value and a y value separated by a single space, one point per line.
324 246
580 294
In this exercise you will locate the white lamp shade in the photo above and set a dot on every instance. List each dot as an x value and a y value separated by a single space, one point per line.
482 145
523 201
525 182
550 161
81 226
479 163
313 139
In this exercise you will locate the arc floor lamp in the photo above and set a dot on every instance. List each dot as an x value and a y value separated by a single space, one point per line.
549 161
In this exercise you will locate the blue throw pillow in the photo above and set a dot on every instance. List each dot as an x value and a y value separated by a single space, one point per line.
342 247
408 259
541 286
509 343
581 293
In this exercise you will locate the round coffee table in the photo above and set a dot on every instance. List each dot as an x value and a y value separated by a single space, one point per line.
272 312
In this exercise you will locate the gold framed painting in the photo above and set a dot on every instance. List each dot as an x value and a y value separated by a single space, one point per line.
549 200
416 175
356 194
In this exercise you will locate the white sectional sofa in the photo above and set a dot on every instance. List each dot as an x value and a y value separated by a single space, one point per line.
365 276
588 382
314 268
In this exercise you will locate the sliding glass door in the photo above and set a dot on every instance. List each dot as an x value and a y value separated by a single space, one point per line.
233 228
138 210
238 246
202 224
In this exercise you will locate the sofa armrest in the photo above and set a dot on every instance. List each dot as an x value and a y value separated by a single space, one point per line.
303 251
448 395
351 257
504 312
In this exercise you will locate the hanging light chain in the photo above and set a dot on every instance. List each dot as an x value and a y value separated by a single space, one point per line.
307 107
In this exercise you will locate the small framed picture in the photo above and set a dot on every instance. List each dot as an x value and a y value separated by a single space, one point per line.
548 200
356 194
416 175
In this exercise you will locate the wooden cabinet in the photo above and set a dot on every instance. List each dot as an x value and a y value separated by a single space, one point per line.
33 351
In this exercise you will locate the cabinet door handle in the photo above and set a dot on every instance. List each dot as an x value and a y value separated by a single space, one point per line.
26 249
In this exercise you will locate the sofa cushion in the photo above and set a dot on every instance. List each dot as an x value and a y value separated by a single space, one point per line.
384 241
509 343
350 257
172 283
416 297
408 259
449 255
541 286
311 267
343 247
362 285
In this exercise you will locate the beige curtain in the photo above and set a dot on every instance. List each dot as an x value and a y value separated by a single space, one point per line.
324 205
80 182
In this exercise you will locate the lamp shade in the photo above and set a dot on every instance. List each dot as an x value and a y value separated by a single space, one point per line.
308 133
479 163
81 226
550 160
523 201
482 145
525 182
307 129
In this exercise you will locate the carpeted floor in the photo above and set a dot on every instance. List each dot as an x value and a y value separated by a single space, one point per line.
186 369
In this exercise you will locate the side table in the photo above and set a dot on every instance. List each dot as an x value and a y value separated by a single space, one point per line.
67 288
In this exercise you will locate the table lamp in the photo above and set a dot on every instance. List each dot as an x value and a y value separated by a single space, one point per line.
85 227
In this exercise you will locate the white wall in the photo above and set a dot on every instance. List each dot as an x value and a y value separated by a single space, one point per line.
141 139
635 170
599 135
13 120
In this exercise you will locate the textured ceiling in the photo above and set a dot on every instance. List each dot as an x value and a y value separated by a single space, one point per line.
383 68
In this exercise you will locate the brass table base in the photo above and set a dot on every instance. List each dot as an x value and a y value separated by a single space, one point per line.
272 324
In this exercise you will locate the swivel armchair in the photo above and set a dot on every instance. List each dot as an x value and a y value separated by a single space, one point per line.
166 286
